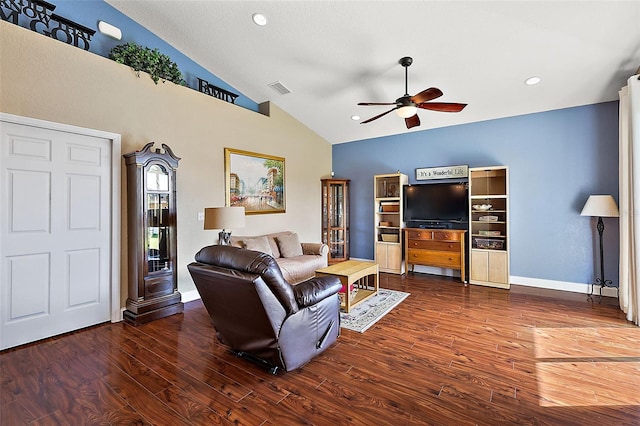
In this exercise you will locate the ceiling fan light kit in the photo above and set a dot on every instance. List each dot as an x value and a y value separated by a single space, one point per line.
407 111
407 106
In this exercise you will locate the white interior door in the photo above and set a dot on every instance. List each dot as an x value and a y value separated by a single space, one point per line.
56 229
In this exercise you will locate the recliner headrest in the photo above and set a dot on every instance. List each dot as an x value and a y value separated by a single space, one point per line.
253 262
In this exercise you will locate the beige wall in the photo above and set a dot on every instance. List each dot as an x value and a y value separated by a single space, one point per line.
49 80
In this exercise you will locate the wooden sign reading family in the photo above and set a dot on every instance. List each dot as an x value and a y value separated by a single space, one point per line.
209 89
450 172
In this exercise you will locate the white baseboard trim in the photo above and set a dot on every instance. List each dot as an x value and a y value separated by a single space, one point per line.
523 281
562 286
189 296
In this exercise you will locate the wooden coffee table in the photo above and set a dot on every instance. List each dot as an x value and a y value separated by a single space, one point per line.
363 276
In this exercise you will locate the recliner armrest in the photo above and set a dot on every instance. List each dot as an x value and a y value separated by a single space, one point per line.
312 291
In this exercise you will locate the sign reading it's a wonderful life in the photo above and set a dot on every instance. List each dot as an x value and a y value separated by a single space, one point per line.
449 172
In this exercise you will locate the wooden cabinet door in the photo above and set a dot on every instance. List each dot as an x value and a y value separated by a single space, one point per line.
381 256
394 257
489 266
479 265
389 257
498 271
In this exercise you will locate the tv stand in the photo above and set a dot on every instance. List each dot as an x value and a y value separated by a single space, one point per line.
443 248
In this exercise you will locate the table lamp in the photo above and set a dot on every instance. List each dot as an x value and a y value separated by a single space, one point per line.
600 206
223 218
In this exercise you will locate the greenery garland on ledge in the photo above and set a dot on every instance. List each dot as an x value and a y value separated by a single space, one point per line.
158 65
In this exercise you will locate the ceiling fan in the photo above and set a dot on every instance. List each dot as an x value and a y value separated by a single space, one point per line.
407 106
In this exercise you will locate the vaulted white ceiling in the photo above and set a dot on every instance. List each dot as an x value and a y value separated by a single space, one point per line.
334 54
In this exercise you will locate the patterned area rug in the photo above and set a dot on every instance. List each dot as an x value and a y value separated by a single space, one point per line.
370 311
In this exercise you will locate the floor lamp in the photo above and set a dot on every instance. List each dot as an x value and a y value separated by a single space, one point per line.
223 218
600 206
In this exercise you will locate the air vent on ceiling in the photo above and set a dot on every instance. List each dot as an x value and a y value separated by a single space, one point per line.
279 87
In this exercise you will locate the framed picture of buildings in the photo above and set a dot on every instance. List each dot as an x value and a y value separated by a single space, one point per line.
255 181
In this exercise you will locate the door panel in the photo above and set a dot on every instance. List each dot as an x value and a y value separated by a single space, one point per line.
83 284
55 236
23 218
28 286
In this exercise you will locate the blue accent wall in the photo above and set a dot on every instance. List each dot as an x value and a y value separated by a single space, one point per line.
90 12
556 159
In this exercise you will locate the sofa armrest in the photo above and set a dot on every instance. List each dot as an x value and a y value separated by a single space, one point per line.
315 248
312 291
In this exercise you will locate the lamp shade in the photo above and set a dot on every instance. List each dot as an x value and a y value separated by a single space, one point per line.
223 217
600 206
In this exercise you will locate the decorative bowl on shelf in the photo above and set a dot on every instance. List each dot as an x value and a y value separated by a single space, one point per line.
482 207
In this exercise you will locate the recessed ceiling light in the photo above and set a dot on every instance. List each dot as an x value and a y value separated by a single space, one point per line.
532 81
355 117
259 19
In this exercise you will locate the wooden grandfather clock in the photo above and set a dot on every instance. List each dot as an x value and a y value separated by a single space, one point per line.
151 206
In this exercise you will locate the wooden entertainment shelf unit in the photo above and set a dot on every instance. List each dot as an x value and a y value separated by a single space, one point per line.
442 248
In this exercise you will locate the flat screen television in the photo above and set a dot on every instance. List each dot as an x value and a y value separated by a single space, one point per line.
436 202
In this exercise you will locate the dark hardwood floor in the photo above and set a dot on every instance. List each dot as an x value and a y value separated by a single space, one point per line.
447 355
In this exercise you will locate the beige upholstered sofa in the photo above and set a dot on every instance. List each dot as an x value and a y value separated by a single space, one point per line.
297 261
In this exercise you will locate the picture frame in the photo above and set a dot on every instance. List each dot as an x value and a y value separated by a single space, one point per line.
254 181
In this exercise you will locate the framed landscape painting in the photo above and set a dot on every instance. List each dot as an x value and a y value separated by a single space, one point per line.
254 181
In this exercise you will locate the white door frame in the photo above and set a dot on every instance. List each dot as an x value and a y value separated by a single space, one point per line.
116 311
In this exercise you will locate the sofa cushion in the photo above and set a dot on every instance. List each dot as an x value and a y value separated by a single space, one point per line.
274 246
240 241
301 268
258 244
289 245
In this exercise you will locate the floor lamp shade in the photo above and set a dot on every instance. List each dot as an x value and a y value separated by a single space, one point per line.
224 218
600 206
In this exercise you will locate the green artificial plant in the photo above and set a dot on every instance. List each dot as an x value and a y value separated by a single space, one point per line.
158 65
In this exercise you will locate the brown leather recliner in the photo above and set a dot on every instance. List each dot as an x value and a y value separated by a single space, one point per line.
259 314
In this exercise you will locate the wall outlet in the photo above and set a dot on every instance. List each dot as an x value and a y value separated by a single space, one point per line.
200 216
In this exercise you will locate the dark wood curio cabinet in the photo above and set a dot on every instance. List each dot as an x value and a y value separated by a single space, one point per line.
151 206
335 218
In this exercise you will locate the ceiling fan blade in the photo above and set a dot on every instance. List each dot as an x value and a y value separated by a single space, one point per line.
426 95
376 103
379 115
412 121
442 106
